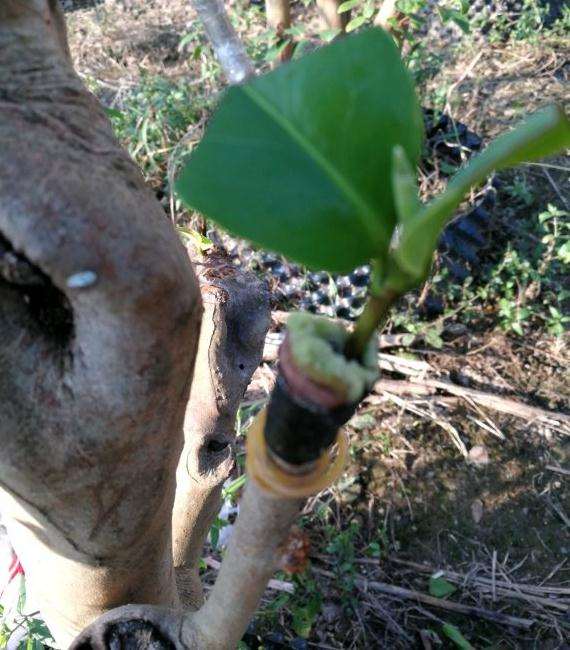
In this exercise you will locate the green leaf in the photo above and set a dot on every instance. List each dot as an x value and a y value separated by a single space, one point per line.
455 635
433 337
329 34
455 16
113 112
563 252
347 6
299 160
355 23
440 587
405 184
201 242
304 617
274 52
544 133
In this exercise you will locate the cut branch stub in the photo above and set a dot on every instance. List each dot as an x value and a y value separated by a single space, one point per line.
235 322
134 627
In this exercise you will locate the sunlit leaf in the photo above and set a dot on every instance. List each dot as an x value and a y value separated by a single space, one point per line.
299 160
355 23
347 6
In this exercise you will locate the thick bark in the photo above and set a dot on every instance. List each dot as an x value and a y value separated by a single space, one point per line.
235 322
96 360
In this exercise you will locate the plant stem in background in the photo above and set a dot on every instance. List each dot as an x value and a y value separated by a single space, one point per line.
374 316
227 45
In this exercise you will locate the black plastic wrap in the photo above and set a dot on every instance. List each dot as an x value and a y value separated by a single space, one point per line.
297 431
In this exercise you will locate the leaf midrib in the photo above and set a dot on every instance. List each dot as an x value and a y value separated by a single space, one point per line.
367 214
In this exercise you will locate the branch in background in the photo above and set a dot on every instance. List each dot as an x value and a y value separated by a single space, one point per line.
229 49
278 13
329 10
387 11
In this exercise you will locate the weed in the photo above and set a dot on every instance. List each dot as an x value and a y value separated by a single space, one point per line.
527 25
153 118
519 286
341 545
27 627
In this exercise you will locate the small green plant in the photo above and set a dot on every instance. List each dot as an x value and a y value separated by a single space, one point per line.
454 634
317 161
527 284
303 606
36 637
363 11
341 545
379 547
527 25
304 615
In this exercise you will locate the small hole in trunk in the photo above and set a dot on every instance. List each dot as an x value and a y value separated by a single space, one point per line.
216 446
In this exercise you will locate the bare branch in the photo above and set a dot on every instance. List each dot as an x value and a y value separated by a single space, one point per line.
227 45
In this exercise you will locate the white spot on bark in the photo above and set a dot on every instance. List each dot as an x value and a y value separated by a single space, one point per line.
82 280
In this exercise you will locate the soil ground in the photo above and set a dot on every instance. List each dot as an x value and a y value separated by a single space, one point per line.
496 521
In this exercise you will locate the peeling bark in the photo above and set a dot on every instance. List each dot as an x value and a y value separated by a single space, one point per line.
96 359
235 322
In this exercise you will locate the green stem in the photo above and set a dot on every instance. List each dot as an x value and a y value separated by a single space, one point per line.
375 314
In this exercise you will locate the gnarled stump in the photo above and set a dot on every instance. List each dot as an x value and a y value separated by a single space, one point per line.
99 323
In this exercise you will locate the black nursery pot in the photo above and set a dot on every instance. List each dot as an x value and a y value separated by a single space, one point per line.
298 431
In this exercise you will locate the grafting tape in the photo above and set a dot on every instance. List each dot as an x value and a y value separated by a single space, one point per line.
275 480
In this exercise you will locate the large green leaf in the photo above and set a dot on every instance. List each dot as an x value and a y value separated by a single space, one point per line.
299 160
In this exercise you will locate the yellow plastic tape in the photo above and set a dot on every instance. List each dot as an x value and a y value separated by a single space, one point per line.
273 479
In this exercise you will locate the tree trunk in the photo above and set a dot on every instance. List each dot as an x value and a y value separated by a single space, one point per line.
235 322
99 324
